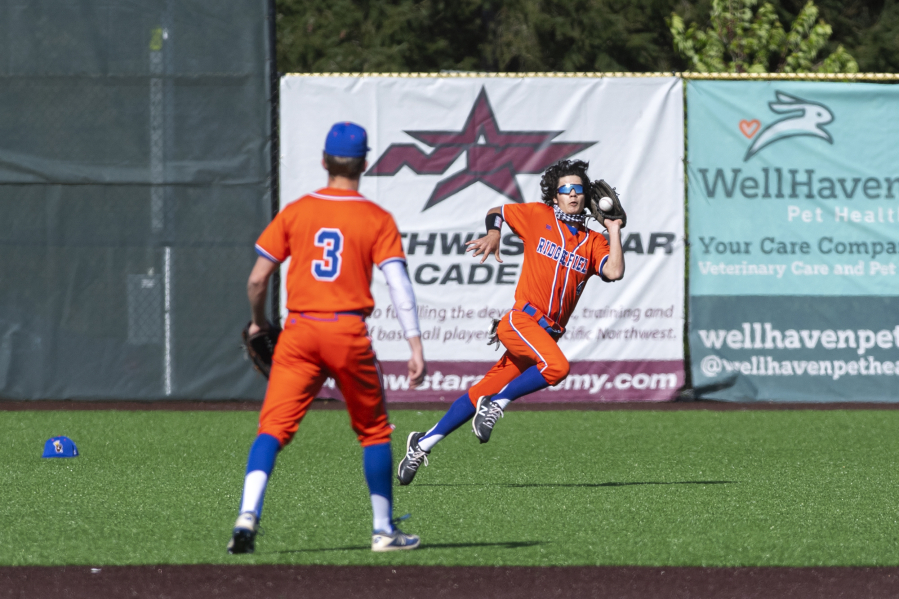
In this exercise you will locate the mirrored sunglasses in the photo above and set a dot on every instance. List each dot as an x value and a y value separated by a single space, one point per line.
566 189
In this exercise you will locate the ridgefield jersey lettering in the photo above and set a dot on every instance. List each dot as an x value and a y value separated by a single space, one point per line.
557 262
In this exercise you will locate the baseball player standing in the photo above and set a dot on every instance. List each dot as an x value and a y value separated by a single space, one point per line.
560 254
333 236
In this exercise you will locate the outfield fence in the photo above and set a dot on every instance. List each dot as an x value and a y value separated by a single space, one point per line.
746 111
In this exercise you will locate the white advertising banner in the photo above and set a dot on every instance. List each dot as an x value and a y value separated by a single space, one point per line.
446 150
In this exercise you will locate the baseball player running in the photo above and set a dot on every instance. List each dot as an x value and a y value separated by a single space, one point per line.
560 254
333 236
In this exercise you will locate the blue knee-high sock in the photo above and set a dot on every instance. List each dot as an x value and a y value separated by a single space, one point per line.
527 382
263 453
377 464
261 460
459 413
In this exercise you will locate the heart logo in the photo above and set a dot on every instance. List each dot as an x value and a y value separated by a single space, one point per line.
750 128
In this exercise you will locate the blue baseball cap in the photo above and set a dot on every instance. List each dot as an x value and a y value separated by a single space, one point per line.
60 447
347 139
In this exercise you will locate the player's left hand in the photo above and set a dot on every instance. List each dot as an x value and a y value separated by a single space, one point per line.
260 346
486 245
612 224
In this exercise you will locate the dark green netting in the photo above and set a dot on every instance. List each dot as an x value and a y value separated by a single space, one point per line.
135 175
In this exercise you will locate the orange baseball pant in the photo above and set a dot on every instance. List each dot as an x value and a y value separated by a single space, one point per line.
313 346
527 344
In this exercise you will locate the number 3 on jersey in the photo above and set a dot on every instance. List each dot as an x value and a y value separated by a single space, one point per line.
328 268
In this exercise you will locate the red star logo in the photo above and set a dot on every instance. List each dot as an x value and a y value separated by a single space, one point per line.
495 162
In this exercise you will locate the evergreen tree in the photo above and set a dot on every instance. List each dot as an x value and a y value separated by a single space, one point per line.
583 35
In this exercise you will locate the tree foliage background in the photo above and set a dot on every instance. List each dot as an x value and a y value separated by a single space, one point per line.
745 38
540 35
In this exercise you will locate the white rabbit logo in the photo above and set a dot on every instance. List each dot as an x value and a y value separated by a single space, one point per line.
803 118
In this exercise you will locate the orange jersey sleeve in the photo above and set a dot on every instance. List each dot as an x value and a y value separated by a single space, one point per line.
389 244
520 217
334 238
600 251
273 244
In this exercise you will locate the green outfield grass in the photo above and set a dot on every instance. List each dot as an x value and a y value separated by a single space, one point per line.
552 488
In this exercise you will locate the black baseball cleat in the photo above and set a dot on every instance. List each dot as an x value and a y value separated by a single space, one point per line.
243 537
413 459
485 416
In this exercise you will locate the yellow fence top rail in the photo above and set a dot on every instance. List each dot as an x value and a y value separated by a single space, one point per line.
885 77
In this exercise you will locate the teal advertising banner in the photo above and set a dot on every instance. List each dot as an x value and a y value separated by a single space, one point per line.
793 203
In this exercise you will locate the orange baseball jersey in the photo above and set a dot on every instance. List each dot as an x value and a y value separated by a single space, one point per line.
333 238
557 262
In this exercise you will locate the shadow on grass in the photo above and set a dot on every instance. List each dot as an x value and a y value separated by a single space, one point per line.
587 485
591 485
424 546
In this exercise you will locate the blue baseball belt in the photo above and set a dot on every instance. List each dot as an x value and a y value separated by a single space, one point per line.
533 312
304 314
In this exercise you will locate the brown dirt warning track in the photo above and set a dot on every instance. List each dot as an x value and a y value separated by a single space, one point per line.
433 582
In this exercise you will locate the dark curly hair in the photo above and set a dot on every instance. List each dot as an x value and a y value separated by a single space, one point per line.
549 184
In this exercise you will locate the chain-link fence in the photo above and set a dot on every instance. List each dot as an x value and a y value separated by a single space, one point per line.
135 175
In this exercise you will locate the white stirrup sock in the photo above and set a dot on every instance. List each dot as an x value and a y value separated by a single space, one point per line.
253 490
380 508
429 443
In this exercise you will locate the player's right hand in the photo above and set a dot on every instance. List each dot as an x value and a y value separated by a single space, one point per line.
486 245
255 328
417 367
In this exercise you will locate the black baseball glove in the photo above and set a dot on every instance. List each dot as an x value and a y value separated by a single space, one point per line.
260 347
598 190
492 335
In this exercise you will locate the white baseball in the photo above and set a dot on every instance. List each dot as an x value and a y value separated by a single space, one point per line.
605 203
